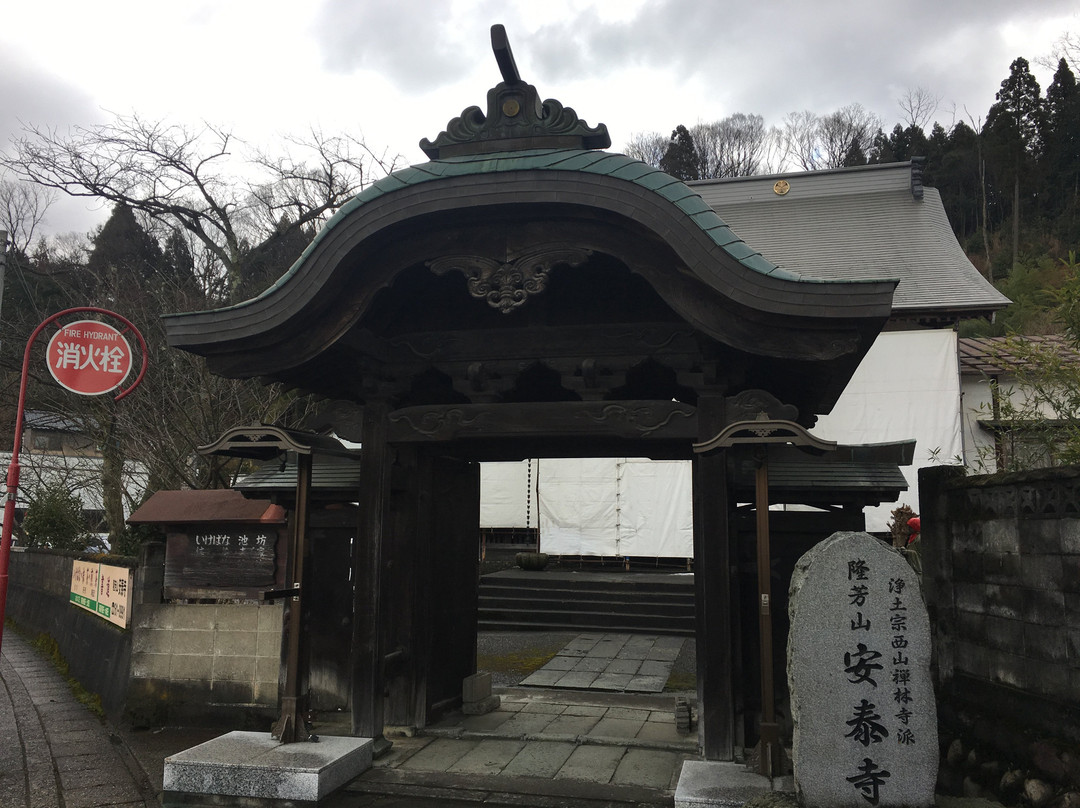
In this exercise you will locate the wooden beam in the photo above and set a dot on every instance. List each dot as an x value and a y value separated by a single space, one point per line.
646 420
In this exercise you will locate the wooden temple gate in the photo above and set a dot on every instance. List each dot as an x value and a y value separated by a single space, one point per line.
526 294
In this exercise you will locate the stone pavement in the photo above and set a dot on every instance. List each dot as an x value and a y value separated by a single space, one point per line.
617 662
541 748
53 750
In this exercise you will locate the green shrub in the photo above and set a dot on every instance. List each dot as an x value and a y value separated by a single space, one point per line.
54 519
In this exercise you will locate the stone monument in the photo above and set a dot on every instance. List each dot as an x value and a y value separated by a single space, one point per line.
862 699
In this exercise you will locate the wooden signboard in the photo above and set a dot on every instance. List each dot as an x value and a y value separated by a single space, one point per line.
223 561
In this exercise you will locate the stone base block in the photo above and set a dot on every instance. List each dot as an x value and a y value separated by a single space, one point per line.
718 784
476 687
263 771
490 704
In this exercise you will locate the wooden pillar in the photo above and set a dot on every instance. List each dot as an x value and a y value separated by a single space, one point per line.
374 502
404 615
713 564
291 727
452 583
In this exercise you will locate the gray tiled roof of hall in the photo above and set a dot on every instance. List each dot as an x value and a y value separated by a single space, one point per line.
858 223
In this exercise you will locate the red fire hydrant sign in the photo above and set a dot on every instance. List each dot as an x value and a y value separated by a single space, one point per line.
89 357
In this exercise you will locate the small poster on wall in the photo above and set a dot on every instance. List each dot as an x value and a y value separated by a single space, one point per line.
103 590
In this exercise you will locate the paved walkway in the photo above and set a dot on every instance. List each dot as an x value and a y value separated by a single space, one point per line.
548 747
54 753
542 747
634 663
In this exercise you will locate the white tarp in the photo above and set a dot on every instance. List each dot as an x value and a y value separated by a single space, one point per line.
508 494
656 508
594 506
908 386
579 506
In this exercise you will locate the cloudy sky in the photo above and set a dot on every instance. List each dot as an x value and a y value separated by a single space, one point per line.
395 71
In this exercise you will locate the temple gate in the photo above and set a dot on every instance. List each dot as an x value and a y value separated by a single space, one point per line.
527 294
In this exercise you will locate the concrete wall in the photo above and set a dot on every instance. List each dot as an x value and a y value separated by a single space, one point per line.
205 664
178 664
97 652
1001 561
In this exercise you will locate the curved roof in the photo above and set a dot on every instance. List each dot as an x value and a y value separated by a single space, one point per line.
600 163
857 223
719 262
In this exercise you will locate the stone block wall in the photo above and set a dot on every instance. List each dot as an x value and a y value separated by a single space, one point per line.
1001 561
206 664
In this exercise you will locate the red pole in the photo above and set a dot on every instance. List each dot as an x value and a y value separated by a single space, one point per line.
14 468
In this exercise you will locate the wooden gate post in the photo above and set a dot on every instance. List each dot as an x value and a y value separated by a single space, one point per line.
712 590
367 651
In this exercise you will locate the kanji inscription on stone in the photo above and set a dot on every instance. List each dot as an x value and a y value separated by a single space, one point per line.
862 698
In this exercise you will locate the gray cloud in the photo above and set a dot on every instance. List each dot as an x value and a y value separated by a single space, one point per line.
776 57
409 41
35 98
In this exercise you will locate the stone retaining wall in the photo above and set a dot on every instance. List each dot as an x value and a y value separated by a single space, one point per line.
204 663
1001 564
97 652
176 664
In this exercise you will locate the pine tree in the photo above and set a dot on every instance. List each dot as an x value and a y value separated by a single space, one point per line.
125 271
125 259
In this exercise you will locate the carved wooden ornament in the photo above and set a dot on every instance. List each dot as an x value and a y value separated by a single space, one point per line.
506 285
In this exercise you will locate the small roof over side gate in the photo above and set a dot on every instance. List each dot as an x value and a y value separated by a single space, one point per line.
217 506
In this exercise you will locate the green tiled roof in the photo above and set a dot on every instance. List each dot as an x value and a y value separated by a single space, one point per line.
617 166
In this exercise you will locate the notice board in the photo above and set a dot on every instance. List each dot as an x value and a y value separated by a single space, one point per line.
102 589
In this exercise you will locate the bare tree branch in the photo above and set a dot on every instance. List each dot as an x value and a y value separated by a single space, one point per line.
800 140
648 147
23 207
918 106
201 180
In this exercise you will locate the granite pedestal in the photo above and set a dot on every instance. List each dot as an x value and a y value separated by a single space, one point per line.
720 784
263 771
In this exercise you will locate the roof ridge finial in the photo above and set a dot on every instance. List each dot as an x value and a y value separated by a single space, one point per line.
515 120
500 44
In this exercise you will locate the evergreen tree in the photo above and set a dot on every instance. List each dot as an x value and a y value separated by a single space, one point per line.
263 264
125 260
125 272
1014 130
681 160
953 168
1062 152
54 518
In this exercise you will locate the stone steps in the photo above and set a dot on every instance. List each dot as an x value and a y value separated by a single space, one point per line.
569 601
